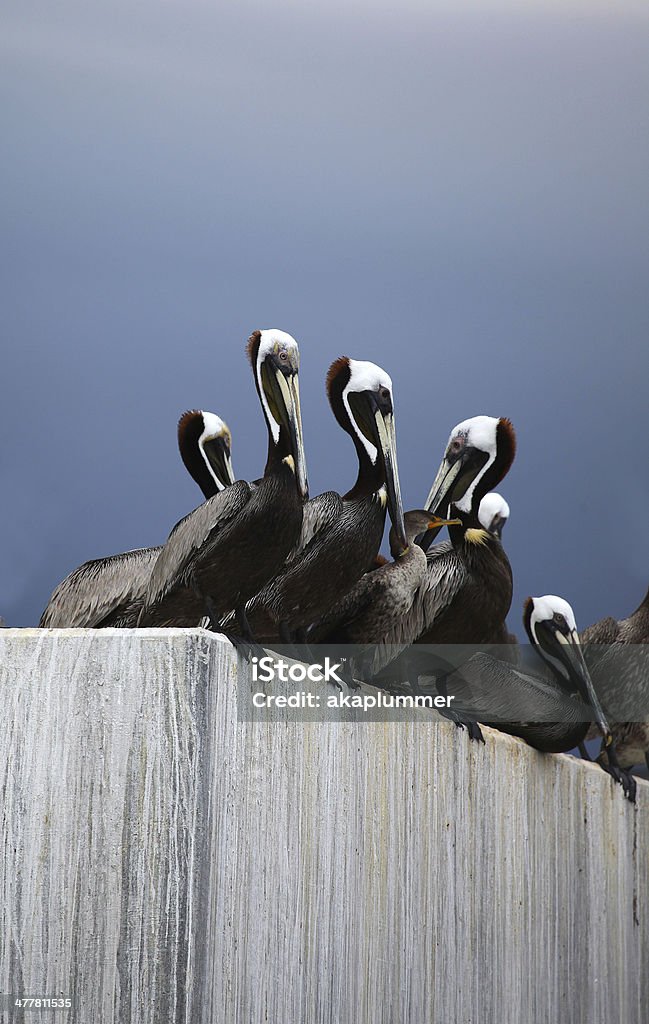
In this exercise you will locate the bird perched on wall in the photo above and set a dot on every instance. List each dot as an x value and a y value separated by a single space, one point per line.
552 714
467 591
109 591
213 560
340 536
617 654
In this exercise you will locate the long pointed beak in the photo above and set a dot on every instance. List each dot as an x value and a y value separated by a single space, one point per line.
216 451
227 466
387 436
290 390
578 670
439 497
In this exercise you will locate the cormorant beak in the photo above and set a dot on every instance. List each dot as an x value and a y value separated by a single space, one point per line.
569 652
387 438
289 389
217 453
435 524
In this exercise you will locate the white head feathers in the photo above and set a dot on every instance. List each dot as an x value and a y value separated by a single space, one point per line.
478 432
365 376
273 340
544 608
492 505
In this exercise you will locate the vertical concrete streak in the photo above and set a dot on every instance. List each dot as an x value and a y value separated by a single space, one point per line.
164 863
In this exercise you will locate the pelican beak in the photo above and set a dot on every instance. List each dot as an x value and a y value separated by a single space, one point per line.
290 392
571 654
387 438
441 493
217 452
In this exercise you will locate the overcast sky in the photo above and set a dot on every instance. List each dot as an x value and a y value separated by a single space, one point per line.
457 191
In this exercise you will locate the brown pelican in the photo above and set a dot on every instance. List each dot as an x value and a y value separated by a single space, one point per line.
340 536
617 656
550 716
468 588
467 592
493 513
371 612
213 560
109 591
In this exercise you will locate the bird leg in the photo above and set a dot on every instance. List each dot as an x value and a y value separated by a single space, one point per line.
245 642
615 770
461 721
208 604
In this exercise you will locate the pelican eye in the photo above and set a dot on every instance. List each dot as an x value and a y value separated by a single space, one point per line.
456 446
283 355
385 393
559 619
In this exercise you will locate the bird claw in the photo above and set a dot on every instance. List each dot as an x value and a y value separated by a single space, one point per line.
624 778
473 729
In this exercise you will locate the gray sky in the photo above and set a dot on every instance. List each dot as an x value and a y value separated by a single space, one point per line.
456 191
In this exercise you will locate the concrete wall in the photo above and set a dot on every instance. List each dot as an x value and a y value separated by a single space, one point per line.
163 861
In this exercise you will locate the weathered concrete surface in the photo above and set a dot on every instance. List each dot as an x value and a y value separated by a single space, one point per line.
164 862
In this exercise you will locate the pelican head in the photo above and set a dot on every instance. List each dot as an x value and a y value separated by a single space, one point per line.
360 394
550 624
478 455
493 513
275 360
205 445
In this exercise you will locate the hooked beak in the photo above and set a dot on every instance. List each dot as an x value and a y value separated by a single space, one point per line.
387 438
290 391
572 656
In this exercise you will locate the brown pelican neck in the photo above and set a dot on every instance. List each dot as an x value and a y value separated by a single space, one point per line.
370 478
371 473
190 430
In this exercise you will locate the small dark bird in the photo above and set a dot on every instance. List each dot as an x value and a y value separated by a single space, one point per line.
109 591
340 536
213 560
371 613
617 654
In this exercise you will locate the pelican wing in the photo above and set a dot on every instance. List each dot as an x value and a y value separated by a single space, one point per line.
103 592
319 514
190 534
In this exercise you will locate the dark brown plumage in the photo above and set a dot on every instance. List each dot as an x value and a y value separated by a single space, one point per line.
110 591
618 658
213 560
340 535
